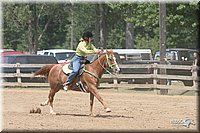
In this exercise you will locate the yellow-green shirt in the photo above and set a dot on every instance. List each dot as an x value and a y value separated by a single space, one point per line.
84 49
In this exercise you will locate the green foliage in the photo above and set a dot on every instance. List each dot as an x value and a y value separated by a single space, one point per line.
181 24
15 24
115 39
84 19
148 43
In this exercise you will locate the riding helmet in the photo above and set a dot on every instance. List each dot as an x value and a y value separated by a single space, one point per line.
87 34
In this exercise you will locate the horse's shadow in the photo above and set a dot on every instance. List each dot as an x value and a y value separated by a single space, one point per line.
97 116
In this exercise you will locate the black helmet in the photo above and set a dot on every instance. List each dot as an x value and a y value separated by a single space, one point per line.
87 34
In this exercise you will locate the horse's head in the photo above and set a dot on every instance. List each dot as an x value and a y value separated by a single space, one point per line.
111 61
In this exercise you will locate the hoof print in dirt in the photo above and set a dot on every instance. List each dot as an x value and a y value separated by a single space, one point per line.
32 110
37 110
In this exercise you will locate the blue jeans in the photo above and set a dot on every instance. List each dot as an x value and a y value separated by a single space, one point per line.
77 61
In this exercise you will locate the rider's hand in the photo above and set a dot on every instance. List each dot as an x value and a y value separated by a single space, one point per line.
98 51
102 49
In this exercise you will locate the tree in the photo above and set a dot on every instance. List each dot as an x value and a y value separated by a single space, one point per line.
182 25
101 17
36 21
122 25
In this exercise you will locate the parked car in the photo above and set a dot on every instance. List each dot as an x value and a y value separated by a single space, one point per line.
129 55
184 57
11 52
62 55
25 59
177 54
28 59
6 50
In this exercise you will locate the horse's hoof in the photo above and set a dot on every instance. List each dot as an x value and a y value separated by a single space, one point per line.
108 110
42 104
91 114
53 113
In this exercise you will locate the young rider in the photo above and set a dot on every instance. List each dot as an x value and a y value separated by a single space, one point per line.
84 48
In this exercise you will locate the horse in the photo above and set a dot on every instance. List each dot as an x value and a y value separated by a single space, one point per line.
89 78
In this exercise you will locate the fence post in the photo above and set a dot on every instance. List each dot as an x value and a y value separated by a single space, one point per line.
155 72
155 80
115 83
19 80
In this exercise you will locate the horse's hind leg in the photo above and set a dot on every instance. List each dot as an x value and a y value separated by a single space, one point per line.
51 98
52 92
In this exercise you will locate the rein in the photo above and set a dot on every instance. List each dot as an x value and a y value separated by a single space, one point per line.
107 61
91 74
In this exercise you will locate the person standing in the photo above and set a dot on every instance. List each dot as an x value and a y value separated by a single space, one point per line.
194 71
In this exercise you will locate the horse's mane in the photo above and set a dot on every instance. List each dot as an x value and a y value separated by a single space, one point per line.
96 57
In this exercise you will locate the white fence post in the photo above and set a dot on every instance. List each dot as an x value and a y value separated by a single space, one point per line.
115 83
155 80
19 79
155 72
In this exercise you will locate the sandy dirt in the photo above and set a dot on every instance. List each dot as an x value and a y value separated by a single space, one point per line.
130 111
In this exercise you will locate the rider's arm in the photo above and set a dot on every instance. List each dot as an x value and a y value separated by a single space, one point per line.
83 50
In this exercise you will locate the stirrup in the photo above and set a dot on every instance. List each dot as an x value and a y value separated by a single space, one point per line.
65 88
66 83
80 86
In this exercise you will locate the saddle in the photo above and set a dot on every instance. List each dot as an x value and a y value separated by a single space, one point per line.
67 68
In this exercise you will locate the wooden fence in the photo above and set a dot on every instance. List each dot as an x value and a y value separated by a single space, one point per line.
112 81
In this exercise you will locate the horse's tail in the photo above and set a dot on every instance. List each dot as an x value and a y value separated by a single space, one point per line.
44 70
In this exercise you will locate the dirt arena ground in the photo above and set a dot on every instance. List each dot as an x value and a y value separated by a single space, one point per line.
131 111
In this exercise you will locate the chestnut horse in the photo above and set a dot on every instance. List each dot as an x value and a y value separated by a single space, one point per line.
89 78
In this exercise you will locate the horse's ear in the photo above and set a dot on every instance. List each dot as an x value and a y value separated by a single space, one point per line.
107 51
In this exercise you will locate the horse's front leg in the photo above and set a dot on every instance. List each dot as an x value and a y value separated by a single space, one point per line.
45 103
96 94
91 103
51 109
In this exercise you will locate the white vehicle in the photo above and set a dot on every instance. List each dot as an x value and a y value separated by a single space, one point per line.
134 54
181 54
7 50
62 55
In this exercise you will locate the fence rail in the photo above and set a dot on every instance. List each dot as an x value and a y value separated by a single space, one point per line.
115 80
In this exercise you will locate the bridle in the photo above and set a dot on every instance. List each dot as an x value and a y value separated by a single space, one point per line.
108 61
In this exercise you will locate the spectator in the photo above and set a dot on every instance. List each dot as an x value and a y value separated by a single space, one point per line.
194 69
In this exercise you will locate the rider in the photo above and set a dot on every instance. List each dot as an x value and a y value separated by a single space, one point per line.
84 48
